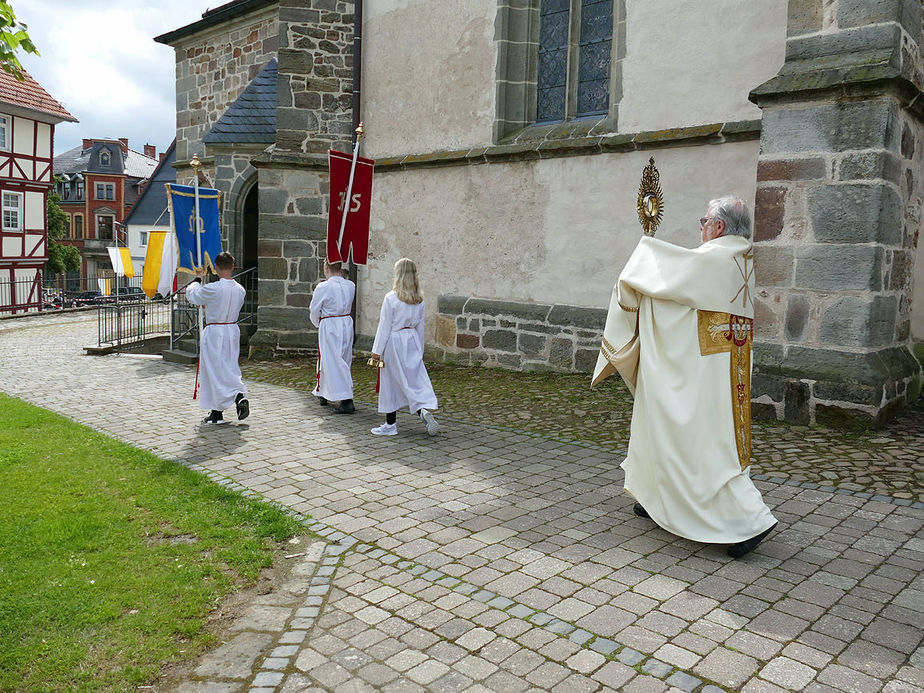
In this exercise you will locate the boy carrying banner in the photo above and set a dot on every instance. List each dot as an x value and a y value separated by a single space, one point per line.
221 384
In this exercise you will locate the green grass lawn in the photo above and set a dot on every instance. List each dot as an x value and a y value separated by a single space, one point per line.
111 559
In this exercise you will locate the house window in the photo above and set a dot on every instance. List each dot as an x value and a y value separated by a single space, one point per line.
104 224
79 190
78 226
12 211
143 235
105 158
575 45
105 191
67 227
4 133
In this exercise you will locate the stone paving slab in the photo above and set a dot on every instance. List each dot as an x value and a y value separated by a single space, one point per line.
512 551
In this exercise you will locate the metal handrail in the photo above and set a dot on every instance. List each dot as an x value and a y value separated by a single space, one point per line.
184 315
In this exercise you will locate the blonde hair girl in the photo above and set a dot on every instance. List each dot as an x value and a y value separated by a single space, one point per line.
407 286
399 343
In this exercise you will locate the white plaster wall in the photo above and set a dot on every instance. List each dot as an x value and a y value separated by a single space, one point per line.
428 75
35 210
44 139
12 247
693 62
23 135
556 230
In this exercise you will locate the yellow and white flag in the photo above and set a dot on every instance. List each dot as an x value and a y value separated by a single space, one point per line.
159 263
105 286
122 262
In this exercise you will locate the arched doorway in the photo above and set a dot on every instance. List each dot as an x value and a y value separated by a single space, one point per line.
250 217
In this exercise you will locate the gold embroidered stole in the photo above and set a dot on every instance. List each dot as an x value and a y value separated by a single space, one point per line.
721 332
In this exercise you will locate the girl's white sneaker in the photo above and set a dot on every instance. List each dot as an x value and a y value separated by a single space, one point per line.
385 429
430 422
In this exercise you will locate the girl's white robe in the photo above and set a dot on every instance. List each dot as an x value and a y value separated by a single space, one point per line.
219 371
335 337
400 341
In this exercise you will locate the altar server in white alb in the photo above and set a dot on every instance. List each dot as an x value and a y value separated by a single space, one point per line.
220 381
330 309
399 343
679 332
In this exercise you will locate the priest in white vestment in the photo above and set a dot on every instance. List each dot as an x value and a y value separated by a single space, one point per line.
679 332
219 374
330 309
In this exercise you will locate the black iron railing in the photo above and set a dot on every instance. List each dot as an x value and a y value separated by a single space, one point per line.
185 320
127 323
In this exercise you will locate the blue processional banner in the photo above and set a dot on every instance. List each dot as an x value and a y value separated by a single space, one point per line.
181 200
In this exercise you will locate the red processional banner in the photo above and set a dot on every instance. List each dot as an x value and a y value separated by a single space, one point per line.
356 231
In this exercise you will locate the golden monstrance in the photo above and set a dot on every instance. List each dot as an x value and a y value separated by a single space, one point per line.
650 199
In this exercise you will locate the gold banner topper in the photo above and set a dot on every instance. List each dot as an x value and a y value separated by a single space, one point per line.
650 199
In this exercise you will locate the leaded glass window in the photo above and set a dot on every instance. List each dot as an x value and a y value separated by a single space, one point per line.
575 45
554 18
594 61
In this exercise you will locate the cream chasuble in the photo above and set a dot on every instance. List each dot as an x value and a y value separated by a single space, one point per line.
679 332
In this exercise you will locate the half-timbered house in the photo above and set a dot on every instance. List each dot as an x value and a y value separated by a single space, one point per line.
28 115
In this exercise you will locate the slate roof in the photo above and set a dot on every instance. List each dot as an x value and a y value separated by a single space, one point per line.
29 94
252 116
77 160
153 200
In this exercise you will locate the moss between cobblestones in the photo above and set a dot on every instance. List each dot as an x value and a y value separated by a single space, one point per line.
888 461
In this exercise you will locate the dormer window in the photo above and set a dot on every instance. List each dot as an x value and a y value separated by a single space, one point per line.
105 158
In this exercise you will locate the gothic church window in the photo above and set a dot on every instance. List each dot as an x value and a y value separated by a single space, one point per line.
575 44
558 61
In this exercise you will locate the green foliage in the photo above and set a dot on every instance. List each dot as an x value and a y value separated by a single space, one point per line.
14 36
61 258
110 558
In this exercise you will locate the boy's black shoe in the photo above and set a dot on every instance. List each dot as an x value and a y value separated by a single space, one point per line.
640 511
243 406
743 547
215 417
346 407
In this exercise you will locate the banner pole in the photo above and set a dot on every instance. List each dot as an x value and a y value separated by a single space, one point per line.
349 191
195 167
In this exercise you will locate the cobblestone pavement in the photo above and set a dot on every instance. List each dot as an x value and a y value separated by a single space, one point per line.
489 559
888 461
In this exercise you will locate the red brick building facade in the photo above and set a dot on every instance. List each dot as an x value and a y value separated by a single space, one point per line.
100 181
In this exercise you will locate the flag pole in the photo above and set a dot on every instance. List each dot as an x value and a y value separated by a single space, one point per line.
349 190
195 167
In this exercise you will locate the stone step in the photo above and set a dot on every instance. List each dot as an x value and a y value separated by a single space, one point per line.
179 356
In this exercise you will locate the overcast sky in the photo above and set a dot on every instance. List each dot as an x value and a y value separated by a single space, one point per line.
99 59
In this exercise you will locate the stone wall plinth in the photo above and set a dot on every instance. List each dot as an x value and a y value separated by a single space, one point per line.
519 336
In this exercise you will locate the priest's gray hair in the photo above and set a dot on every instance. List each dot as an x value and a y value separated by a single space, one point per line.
735 213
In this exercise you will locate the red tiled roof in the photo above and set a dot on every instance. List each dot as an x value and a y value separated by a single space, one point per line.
29 94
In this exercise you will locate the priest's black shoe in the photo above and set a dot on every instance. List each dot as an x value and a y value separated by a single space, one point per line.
322 401
346 407
640 511
743 547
